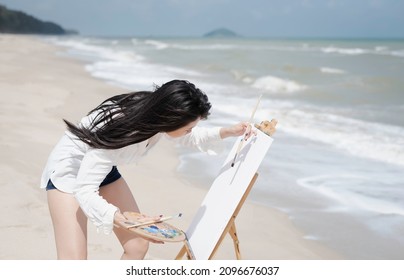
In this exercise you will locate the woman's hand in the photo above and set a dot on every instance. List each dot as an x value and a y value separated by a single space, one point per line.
242 128
120 219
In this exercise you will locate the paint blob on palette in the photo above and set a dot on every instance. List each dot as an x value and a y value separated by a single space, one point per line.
159 231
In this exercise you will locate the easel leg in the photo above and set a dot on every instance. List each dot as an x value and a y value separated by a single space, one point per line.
236 242
233 234
181 253
186 249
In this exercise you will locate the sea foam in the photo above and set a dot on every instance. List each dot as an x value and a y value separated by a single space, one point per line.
329 70
347 191
277 85
364 139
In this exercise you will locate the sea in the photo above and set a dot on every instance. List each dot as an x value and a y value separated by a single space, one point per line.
336 166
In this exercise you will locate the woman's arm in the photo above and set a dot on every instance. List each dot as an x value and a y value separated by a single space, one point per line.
94 168
209 139
236 130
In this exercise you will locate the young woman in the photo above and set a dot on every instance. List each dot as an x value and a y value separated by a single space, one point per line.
81 177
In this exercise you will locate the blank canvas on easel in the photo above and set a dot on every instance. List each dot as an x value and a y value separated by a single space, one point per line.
225 194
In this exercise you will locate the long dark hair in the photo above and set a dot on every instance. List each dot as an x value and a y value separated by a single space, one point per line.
133 117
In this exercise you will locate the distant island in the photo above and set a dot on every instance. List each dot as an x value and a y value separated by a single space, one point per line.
221 33
21 23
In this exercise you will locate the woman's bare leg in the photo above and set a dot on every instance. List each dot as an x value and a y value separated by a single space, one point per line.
119 194
70 225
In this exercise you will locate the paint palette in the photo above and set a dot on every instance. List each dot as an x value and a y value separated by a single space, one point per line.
160 231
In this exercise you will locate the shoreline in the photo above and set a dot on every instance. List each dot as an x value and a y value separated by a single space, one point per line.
47 87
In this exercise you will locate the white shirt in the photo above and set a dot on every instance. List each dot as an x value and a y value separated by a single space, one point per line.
74 167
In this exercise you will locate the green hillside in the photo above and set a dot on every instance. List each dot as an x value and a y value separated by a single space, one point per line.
21 23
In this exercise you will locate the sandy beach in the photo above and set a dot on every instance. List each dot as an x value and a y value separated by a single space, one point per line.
39 86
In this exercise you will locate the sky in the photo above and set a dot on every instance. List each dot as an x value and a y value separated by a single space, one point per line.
249 18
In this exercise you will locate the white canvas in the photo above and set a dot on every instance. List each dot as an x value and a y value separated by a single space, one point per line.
224 195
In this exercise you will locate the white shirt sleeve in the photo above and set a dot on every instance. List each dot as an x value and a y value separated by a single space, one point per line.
95 166
204 139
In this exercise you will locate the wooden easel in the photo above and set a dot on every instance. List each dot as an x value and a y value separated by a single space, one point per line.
268 128
229 229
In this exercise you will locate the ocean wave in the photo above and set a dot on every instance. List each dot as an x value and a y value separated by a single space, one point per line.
378 50
352 192
138 75
348 51
205 47
277 85
123 67
329 70
370 140
241 76
270 46
85 48
399 53
159 45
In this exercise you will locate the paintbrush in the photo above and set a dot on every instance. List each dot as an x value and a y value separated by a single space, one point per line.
240 145
162 219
